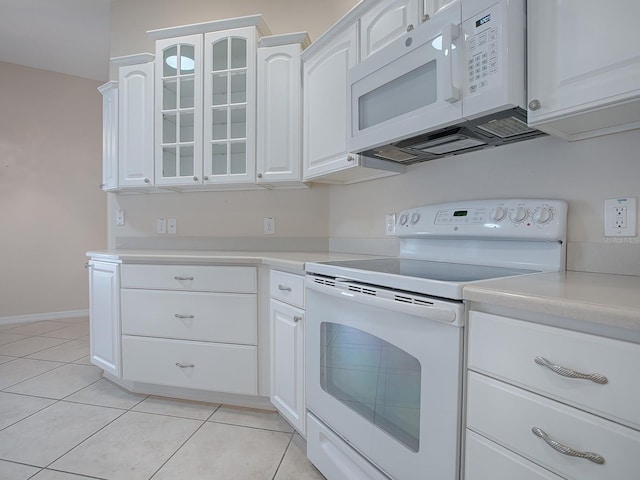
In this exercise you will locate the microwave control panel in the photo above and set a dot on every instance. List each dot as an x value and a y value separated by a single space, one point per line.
482 45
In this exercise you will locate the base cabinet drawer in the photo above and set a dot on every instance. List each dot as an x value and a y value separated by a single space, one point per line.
287 287
486 460
508 415
516 351
200 316
190 277
187 364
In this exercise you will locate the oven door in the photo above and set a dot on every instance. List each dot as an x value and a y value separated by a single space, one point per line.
409 87
387 378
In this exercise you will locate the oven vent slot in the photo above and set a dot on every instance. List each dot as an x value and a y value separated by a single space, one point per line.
330 282
363 290
412 300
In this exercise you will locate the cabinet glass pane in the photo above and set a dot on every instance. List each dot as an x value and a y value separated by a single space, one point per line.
169 162
169 128
219 124
187 59
219 89
219 158
186 161
238 53
169 94
239 87
186 127
238 122
170 62
186 93
220 55
238 158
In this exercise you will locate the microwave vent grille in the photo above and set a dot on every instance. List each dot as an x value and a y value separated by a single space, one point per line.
506 127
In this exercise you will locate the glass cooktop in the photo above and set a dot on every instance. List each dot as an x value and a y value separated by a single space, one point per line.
441 279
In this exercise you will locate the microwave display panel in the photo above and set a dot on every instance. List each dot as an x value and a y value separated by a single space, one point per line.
401 95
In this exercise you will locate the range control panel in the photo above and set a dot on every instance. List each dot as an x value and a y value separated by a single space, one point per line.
532 219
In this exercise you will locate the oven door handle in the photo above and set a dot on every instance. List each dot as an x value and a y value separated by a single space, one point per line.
430 312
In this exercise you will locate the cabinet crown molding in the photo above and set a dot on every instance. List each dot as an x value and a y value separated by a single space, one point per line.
212 26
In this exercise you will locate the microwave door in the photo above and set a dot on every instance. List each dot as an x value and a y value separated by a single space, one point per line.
409 87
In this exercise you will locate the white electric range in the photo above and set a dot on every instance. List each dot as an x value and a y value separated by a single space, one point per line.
384 338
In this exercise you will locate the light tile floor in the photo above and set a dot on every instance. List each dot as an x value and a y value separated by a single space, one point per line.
60 420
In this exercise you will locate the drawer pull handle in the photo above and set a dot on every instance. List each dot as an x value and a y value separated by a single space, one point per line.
565 372
558 447
283 288
178 364
297 318
182 278
177 315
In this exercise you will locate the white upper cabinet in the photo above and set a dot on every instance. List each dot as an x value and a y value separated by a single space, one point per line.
178 121
206 103
584 67
135 130
325 104
279 110
109 93
230 106
387 21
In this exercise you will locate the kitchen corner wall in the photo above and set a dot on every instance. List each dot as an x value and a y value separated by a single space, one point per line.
51 208
584 173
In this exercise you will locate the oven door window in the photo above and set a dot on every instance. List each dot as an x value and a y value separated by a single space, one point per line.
374 378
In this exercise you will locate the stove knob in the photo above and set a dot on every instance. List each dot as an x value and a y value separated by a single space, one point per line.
499 214
519 215
403 219
415 217
542 215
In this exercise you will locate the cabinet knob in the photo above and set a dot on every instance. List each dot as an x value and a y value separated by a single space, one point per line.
350 158
410 27
206 178
259 175
195 179
425 17
146 180
282 288
101 186
534 104
297 318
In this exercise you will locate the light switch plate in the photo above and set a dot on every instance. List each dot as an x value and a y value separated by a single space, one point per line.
620 217
172 226
269 226
120 218
161 226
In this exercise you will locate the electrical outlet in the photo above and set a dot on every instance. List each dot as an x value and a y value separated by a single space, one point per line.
390 224
172 226
161 226
120 218
269 226
620 217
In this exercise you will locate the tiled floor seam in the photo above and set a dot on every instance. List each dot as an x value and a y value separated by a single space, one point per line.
284 454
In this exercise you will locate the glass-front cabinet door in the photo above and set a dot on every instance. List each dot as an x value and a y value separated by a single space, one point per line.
229 106
179 111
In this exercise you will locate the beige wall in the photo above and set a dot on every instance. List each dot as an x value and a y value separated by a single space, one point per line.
51 209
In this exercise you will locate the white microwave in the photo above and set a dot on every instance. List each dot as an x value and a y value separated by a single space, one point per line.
454 84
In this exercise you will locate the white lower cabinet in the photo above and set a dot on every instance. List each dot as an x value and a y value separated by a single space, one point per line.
545 403
104 326
185 326
287 347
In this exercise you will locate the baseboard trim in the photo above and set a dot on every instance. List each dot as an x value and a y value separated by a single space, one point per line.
37 317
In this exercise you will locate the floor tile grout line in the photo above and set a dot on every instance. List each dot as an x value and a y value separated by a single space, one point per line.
249 426
284 454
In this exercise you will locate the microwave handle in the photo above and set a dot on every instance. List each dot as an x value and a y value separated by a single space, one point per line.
451 93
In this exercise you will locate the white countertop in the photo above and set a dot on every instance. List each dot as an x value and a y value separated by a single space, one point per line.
607 300
293 261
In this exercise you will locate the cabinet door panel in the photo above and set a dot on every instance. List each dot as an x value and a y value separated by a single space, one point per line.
386 22
135 135
287 363
104 322
325 104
